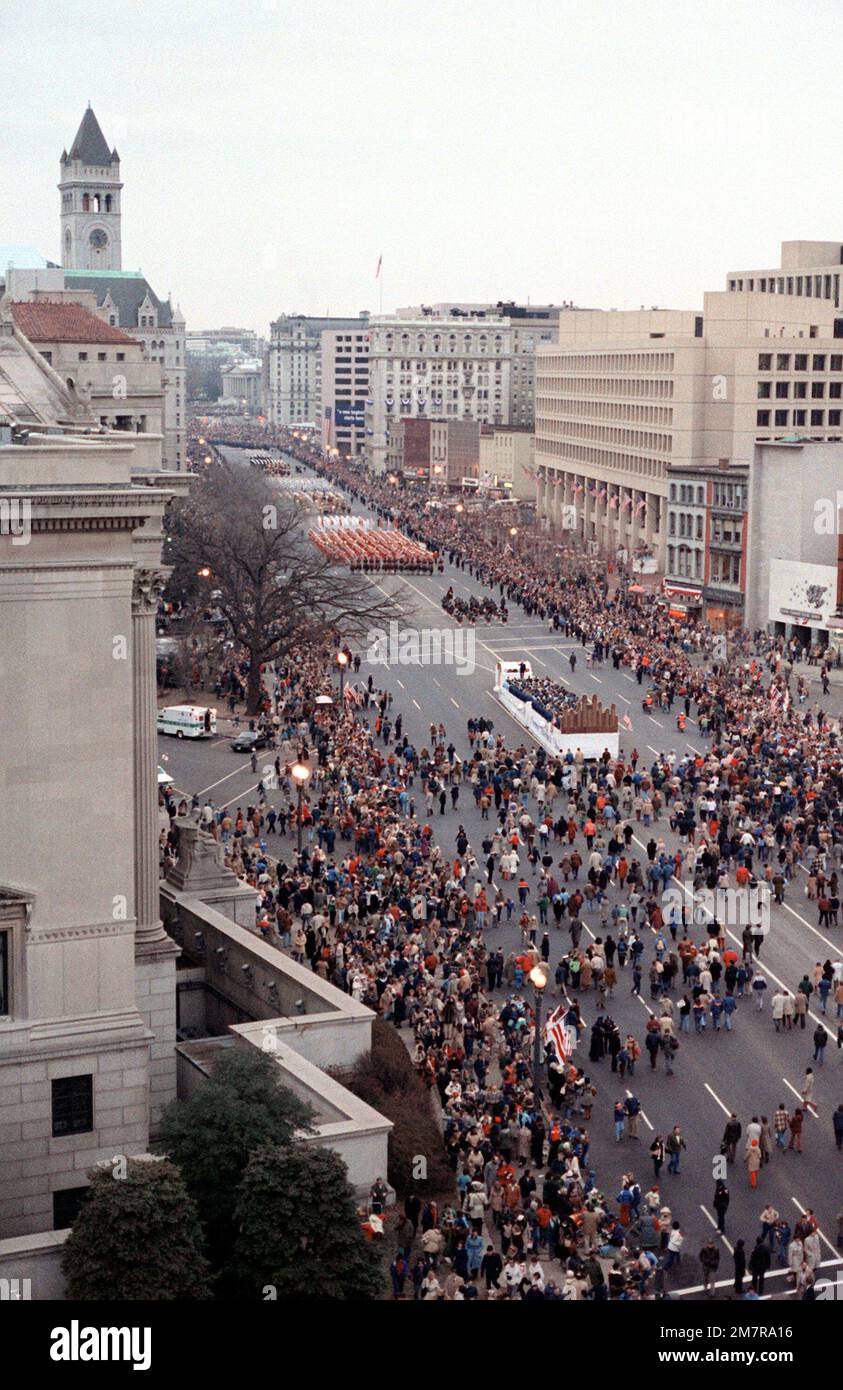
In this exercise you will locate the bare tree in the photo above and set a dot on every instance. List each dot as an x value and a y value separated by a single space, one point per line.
277 591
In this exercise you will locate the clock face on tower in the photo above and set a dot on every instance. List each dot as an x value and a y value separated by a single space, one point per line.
98 239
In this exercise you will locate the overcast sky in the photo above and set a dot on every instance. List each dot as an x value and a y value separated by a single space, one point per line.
614 154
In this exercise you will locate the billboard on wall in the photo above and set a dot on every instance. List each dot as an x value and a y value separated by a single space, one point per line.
350 415
802 594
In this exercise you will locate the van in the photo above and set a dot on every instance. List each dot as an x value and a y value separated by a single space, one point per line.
187 721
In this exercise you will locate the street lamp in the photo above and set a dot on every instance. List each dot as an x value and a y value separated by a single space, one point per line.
299 773
204 573
342 662
513 531
538 980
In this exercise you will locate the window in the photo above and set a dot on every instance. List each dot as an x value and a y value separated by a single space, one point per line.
764 390
833 419
817 417
762 417
800 362
800 390
765 361
101 357
817 390
73 1105
783 362
781 417
5 997
83 357
782 390
66 1205
819 362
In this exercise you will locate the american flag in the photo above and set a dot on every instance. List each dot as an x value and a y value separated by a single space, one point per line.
558 1033
627 722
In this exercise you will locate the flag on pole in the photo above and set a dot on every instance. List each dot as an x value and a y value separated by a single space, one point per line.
627 722
562 1037
378 271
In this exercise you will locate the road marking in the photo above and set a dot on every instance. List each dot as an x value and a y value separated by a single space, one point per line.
728 1283
810 1108
594 678
652 749
800 1207
773 976
400 682
623 697
454 703
714 1096
627 676
801 919
229 774
655 721
417 705
436 682
643 1116
729 1246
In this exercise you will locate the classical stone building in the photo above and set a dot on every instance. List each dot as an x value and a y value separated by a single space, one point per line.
87 973
90 215
97 362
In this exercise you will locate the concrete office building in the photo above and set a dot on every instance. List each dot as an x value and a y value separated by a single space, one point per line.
435 369
294 367
627 396
343 389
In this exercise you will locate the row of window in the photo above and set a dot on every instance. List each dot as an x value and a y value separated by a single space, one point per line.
800 361
653 388
800 390
685 525
609 362
647 441
406 342
811 286
797 417
601 458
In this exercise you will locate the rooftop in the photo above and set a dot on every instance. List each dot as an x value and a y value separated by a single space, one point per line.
90 145
45 322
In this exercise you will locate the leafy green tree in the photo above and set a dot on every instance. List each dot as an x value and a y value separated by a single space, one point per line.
298 1229
212 1135
137 1236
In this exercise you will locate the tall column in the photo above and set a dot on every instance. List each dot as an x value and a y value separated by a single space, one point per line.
155 951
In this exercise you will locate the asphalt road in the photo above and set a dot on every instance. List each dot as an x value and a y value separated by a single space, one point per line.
749 1070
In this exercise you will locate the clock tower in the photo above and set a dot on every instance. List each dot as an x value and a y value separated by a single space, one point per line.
90 201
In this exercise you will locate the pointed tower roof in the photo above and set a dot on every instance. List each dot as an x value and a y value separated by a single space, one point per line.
90 144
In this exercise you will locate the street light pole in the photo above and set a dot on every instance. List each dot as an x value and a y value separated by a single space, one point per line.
342 662
538 980
299 772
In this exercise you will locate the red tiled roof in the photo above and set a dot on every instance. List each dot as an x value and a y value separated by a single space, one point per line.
45 322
